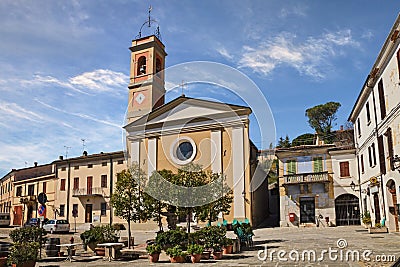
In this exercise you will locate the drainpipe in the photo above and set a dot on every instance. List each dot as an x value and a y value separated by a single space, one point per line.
111 188
377 135
68 188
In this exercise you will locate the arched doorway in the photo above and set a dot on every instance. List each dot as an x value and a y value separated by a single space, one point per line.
392 201
347 210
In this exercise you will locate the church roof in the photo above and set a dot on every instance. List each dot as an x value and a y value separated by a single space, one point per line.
206 104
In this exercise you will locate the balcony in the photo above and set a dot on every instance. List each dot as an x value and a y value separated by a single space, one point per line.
318 177
87 192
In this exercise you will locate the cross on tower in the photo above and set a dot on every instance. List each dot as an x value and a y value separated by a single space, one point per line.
182 85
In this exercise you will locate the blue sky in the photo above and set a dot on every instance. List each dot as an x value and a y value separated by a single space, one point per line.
64 64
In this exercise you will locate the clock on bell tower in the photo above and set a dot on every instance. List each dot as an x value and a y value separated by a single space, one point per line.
146 85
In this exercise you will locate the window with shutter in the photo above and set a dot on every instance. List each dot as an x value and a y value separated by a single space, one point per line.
362 163
382 104
291 166
344 169
318 167
390 147
381 151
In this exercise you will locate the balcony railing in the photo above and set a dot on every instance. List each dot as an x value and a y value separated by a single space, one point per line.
306 178
89 191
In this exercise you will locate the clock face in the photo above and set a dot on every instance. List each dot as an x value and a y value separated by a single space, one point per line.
140 98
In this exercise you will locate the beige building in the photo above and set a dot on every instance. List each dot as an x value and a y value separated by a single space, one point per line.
187 130
85 184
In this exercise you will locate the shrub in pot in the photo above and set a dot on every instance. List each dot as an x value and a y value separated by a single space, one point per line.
228 245
195 251
176 254
154 251
23 254
99 234
172 238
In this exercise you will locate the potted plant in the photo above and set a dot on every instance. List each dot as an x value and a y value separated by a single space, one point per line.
176 255
217 252
366 219
154 251
172 238
23 254
228 245
195 252
99 234
214 237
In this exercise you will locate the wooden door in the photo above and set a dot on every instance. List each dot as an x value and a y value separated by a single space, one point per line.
88 213
89 185
17 215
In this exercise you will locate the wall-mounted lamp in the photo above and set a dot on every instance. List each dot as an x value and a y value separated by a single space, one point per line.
353 186
396 162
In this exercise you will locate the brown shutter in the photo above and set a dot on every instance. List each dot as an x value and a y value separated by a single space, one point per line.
381 99
390 145
381 152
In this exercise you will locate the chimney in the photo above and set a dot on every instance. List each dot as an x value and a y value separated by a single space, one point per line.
85 153
35 163
341 127
61 157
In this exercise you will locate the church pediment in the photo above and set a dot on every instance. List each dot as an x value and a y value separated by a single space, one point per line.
189 111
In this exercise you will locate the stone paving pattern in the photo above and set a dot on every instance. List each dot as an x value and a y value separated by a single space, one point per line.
287 239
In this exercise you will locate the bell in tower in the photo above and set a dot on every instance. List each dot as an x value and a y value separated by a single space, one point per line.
146 86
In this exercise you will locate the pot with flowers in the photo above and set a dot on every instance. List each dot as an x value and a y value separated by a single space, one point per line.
176 254
228 245
154 251
195 252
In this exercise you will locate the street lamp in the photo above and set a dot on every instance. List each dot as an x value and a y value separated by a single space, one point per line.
396 162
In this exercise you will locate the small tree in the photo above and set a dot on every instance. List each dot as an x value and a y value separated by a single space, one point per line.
321 118
127 199
283 143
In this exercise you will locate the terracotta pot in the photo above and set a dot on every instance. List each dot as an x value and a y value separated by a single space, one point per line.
177 259
217 255
61 254
25 264
154 257
205 255
100 251
3 262
195 258
228 249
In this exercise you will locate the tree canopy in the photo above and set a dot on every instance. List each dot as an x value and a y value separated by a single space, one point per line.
304 139
322 117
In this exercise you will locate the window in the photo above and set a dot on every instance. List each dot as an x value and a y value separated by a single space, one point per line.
381 153
31 190
318 167
368 113
76 168
373 153
19 191
104 163
62 210
62 185
63 169
344 169
362 163
104 180
103 209
90 166
358 127
382 104
291 166
44 190
75 210
398 61
120 161
390 146
141 66
76 183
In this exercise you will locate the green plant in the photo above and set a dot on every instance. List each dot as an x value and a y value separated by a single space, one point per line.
27 234
172 238
23 252
366 218
175 251
378 225
195 249
99 234
214 237
227 242
153 249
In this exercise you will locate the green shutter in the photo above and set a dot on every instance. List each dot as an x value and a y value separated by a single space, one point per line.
291 166
318 167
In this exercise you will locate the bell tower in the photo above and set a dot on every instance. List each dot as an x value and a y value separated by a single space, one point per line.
146 85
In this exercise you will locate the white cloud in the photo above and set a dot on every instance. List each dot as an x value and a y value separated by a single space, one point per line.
311 58
15 111
100 80
299 10
368 34
223 52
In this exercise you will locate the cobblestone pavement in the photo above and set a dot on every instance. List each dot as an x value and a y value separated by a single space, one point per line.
336 246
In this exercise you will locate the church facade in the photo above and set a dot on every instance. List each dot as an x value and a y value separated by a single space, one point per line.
186 130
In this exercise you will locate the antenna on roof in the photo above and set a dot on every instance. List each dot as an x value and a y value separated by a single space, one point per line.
83 144
182 87
66 151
